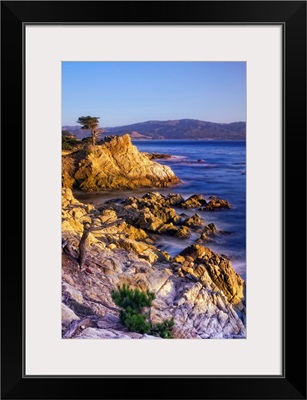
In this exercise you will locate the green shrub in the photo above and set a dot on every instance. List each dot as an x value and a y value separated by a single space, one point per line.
164 329
133 298
134 321
132 303
66 146
69 141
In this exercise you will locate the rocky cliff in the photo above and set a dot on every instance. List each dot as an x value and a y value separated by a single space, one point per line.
116 164
198 287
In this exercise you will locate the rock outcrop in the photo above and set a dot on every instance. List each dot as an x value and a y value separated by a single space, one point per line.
198 287
205 265
209 231
154 156
115 164
194 222
215 203
194 201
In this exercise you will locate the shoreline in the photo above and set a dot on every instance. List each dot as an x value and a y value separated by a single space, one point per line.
169 240
132 236
101 198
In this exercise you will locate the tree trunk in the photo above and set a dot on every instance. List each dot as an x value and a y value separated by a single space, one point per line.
82 247
93 137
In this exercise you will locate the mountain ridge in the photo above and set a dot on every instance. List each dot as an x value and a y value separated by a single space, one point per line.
173 129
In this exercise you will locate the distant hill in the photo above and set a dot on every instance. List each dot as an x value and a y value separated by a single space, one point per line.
175 129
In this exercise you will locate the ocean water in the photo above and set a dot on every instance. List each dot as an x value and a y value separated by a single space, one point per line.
209 168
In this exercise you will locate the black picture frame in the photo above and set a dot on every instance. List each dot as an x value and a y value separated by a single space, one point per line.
292 16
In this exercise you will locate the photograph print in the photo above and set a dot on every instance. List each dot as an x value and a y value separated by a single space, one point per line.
154 200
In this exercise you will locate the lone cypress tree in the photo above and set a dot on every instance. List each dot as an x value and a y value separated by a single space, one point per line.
91 123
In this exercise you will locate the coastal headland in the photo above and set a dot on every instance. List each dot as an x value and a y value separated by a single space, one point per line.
116 243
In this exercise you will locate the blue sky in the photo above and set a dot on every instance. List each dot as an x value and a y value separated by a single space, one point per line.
122 93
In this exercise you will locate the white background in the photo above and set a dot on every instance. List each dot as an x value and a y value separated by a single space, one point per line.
46 48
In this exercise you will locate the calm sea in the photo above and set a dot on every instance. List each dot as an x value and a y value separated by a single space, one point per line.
209 168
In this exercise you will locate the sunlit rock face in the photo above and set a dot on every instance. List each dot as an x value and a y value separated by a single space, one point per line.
115 164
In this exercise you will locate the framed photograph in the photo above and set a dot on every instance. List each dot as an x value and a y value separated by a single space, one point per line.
162 183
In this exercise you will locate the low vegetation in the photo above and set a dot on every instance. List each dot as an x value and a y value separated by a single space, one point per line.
69 141
133 313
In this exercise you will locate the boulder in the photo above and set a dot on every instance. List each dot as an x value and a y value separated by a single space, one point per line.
183 232
68 290
194 201
168 229
131 232
209 231
200 260
143 250
68 316
194 222
153 156
150 214
174 199
216 203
